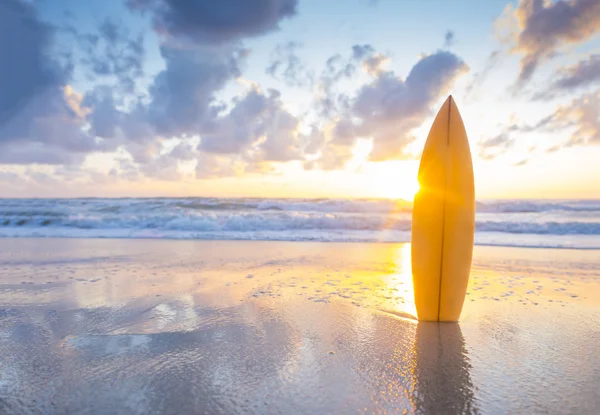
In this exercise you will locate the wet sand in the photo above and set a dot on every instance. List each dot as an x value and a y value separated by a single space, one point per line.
158 326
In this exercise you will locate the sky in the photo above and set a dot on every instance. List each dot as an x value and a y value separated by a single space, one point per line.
294 98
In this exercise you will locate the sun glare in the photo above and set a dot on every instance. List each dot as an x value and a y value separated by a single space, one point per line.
406 190
394 180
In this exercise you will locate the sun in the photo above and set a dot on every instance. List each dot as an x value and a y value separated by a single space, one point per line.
403 190
394 180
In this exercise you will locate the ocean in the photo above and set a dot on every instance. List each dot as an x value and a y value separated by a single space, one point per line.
573 224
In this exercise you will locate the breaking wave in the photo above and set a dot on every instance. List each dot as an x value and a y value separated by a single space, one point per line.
573 224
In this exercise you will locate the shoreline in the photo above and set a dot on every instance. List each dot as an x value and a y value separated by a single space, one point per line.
183 239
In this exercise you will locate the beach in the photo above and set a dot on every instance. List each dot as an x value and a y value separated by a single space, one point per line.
197 326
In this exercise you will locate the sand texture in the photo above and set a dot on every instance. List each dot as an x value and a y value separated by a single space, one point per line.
160 326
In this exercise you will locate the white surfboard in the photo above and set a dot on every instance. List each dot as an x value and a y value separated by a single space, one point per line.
443 219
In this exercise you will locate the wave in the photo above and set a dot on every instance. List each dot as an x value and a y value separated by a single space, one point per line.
539 206
298 205
285 219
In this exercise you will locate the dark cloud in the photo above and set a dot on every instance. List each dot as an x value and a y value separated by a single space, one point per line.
35 153
337 69
182 99
182 95
27 69
286 66
545 26
181 102
216 21
104 118
360 52
258 127
41 117
384 110
111 31
44 121
389 107
449 39
112 52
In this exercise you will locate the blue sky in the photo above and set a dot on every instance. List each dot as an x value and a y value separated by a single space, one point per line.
294 98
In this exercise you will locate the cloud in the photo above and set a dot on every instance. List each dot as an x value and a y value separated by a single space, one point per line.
257 127
479 77
375 63
36 153
125 170
542 27
181 100
210 166
578 122
329 102
496 146
449 39
388 108
27 69
216 21
166 166
41 117
255 130
286 66
111 31
112 52
104 118
182 95
202 50
583 115
43 120
520 163
582 74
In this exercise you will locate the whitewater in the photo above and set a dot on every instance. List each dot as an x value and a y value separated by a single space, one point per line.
525 223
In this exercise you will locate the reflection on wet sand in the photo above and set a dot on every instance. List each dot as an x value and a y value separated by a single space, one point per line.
229 327
443 380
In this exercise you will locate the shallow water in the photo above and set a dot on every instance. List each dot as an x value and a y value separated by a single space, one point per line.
156 326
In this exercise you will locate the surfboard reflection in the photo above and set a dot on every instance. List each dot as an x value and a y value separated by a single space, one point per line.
443 380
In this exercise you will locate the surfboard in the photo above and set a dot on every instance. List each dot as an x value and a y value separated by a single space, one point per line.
443 219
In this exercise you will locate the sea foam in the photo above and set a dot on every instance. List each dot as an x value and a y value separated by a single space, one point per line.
559 224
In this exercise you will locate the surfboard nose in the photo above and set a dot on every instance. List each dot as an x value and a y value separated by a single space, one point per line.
448 105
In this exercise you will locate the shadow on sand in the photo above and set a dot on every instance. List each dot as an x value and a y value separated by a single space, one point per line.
443 380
